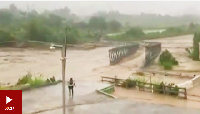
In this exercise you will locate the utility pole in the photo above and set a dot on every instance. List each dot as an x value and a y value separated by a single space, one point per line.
63 59
63 72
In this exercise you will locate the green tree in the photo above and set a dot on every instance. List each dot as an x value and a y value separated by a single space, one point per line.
48 26
97 23
32 31
72 35
114 26
36 30
81 25
196 41
192 26
5 36
54 21
6 17
136 32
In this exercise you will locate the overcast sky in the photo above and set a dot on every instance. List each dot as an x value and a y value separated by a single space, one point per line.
84 8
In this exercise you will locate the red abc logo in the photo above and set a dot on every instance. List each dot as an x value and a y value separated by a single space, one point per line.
10 101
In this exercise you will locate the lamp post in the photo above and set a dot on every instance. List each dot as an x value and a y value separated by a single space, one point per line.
63 59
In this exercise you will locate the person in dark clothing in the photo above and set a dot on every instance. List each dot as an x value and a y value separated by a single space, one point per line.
71 85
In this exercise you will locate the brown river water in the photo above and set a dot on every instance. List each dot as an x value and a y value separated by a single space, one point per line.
89 65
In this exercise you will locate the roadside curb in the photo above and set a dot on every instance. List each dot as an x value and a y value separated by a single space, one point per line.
102 91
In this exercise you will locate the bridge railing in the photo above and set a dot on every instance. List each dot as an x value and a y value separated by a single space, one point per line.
118 53
150 87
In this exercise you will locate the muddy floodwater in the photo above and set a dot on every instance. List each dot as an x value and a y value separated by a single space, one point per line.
149 97
90 65
16 62
87 64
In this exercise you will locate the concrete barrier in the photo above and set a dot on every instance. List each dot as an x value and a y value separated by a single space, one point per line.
107 91
152 50
196 81
191 83
186 84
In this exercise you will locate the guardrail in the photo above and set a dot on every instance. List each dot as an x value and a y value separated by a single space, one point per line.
115 80
118 53
144 86
164 89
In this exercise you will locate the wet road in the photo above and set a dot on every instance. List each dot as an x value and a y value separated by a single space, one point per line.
48 100
148 97
123 107
51 97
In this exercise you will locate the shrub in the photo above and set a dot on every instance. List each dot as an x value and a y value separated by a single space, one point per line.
25 79
140 73
140 79
174 91
37 81
129 83
167 60
167 65
5 36
50 80
53 79
28 79
158 88
140 84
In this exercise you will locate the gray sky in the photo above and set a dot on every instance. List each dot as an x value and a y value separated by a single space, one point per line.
84 8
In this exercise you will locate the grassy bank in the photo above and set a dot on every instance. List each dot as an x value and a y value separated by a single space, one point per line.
29 81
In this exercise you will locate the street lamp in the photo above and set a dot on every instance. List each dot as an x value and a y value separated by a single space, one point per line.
63 59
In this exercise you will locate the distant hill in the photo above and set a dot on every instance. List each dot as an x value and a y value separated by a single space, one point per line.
148 20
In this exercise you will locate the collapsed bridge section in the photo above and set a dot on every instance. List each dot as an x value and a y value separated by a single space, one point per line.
118 53
152 50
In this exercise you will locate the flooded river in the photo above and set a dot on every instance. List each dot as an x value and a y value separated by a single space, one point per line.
90 65
16 62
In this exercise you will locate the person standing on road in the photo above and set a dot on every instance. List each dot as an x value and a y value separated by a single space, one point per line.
71 85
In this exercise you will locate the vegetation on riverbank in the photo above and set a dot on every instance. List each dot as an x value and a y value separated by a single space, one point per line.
160 87
195 52
49 26
136 34
29 81
167 60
